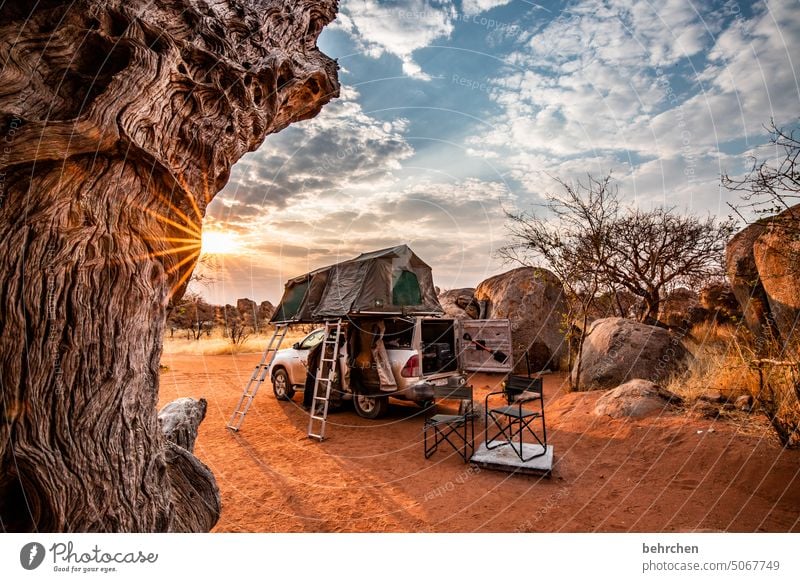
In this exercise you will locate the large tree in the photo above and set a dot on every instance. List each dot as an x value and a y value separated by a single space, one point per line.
119 122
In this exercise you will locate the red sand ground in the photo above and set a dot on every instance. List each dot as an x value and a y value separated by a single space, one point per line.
669 473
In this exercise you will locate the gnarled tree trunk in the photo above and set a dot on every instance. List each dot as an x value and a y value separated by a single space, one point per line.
119 122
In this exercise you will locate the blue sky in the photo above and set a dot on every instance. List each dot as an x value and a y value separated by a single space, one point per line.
452 111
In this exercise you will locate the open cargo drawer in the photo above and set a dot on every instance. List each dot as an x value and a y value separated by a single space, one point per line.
484 345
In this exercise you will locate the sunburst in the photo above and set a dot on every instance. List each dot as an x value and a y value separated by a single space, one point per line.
219 242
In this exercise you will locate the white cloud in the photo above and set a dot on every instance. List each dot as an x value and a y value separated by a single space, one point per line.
473 7
341 148
755 67
595 85
397 28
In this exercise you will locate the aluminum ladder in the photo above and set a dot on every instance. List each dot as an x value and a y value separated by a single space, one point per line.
323 382
259 375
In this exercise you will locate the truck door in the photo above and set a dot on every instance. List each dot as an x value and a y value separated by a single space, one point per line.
484 345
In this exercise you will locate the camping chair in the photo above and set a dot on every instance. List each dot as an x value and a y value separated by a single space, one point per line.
458 430
513 420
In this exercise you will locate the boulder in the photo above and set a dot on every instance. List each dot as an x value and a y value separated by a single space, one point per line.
248 310
180 419
713 396
460 303
680 309
744 403
719 301
265 311
742 272
634 399
533 300
763 266
617 350
776 252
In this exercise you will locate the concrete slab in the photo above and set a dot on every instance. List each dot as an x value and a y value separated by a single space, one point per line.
505 459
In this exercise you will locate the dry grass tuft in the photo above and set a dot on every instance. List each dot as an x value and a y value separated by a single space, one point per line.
724 360
717 365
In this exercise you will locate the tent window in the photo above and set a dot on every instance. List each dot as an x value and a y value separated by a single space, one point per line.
406 290
293 301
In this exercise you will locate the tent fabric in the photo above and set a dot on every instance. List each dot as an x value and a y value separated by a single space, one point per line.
392 281
292 301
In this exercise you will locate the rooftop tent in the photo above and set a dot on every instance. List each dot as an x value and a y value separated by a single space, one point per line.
391 281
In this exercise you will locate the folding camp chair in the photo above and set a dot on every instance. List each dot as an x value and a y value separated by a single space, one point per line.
458 430
513 420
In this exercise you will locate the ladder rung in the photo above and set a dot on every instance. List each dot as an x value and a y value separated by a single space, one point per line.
324 381
258 377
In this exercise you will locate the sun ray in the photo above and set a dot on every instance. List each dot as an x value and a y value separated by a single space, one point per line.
179 212
173 239
172 208
180 281
189 221
177 225
170 251
183 261
191 198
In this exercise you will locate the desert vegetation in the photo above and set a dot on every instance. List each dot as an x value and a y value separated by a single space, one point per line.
195 318
732 300
195 326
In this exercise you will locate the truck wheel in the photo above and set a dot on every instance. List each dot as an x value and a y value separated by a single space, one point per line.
370 406
281 385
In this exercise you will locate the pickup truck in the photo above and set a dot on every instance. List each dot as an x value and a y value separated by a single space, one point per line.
423 352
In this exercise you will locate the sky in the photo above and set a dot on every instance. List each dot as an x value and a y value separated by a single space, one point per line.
453 112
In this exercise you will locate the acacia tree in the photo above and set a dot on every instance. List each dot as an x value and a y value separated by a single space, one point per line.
651 252
193 314
233 324
120 120
592 243
569 237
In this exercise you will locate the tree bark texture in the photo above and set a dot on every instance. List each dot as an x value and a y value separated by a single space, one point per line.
119 122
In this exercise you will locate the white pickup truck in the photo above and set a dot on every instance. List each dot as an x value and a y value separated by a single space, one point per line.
423 352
